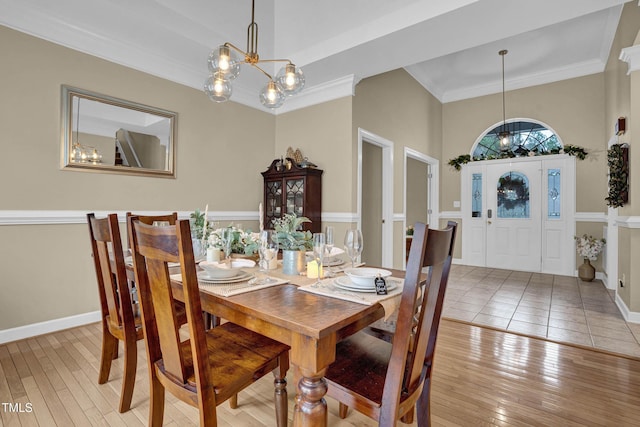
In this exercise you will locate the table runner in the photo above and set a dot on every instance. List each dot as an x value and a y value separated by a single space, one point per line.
229 289
389 302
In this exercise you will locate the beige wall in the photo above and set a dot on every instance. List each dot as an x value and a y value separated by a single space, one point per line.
47 272
417 176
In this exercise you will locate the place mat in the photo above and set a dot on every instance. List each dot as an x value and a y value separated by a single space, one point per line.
229 289
389 302
129 261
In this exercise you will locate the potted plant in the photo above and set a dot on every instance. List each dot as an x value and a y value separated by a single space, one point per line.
293 241
244 243
588 248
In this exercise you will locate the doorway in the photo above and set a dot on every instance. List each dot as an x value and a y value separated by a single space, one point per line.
519 214
375 198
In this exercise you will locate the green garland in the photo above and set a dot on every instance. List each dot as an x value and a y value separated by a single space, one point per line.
572 150
618 176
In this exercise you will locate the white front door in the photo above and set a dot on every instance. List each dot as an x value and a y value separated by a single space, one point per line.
514 216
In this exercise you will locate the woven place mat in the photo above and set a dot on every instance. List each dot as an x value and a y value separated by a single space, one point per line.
389 302
229 289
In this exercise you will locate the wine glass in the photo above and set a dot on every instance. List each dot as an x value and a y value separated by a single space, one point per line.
329 243
268 250
318 252
227 238
353 245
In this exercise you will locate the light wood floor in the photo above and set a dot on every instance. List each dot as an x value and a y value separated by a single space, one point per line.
482 377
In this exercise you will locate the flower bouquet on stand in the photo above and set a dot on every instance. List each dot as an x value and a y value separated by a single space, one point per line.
588 248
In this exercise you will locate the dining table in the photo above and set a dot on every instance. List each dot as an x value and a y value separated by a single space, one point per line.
310 323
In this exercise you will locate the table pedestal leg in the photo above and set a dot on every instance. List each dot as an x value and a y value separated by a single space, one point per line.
311 408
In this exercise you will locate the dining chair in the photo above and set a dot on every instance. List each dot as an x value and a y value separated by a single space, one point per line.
210 366
383 380
120 322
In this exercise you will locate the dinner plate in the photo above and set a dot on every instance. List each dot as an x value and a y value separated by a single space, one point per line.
333 262
343 282
204 277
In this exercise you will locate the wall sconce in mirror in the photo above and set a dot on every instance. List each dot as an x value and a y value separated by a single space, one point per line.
105 134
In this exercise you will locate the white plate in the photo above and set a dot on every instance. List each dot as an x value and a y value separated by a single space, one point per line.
345 283
333 262
204 278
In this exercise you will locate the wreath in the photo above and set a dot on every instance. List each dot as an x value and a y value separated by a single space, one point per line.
512 192
617 159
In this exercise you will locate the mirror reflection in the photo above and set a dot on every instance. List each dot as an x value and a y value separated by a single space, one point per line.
102 133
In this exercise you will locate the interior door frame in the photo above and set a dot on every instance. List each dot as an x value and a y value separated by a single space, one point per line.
365 136
433 188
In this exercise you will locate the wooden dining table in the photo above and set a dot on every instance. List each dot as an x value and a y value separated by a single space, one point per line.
310 324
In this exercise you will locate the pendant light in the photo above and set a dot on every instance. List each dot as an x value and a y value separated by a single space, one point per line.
224 66
504 135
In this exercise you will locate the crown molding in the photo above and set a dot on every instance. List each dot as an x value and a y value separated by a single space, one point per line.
328 91
631 55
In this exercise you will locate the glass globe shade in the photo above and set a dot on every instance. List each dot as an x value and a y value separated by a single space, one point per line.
224 61
290 79
271 96
217 88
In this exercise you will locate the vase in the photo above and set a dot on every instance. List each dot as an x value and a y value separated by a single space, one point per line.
586 272
292 262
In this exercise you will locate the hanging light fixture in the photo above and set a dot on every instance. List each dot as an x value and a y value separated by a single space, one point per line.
83 153
504 135
225 67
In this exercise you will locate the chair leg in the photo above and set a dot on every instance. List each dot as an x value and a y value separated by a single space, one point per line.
233 402
408 417
342 410
423 406
280 390
156 404
129 376
109 349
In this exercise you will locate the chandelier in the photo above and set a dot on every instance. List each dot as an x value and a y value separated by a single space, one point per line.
225 67
504 135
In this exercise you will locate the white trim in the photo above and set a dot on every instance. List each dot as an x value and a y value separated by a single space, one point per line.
35 329
325 92
347 217
387 190
628 221
399 217
629 316
631 55
591 217
451 215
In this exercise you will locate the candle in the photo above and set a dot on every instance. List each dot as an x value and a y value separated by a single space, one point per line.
260 216
204 226
313 272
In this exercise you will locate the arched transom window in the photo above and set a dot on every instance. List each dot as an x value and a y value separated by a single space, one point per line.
527 139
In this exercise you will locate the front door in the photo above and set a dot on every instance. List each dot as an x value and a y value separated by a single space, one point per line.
514 216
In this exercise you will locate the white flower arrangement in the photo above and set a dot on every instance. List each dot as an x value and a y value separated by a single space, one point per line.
244 241
589 247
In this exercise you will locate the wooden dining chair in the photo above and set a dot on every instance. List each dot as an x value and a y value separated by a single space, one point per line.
120 322
385 381
210 366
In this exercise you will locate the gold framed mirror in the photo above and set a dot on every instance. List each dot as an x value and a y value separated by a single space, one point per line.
101 133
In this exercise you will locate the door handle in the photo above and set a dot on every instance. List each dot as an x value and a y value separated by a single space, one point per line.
489 222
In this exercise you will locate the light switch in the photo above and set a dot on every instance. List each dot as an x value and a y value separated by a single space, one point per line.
456 203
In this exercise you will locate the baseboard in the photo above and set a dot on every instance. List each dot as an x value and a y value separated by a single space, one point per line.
34 329
629 316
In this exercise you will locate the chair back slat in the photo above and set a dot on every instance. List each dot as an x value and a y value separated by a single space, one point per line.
418 316
115 298
153 248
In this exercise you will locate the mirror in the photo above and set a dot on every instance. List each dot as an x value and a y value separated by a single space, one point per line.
105 134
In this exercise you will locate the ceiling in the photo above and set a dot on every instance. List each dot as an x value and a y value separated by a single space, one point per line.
449 46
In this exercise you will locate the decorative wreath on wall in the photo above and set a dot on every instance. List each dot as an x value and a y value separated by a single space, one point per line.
618 161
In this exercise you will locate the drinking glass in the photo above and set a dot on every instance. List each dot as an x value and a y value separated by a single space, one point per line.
227 238
268 250
160 223
329 243
318 252
353 245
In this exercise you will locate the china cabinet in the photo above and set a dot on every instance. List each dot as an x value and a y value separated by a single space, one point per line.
289 188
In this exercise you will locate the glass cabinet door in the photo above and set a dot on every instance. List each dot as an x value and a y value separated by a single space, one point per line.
273 196
295 196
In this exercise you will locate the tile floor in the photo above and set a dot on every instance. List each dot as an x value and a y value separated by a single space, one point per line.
559 308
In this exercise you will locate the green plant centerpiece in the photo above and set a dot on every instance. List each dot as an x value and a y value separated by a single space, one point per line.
290 235
243 242
293 241
197 222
